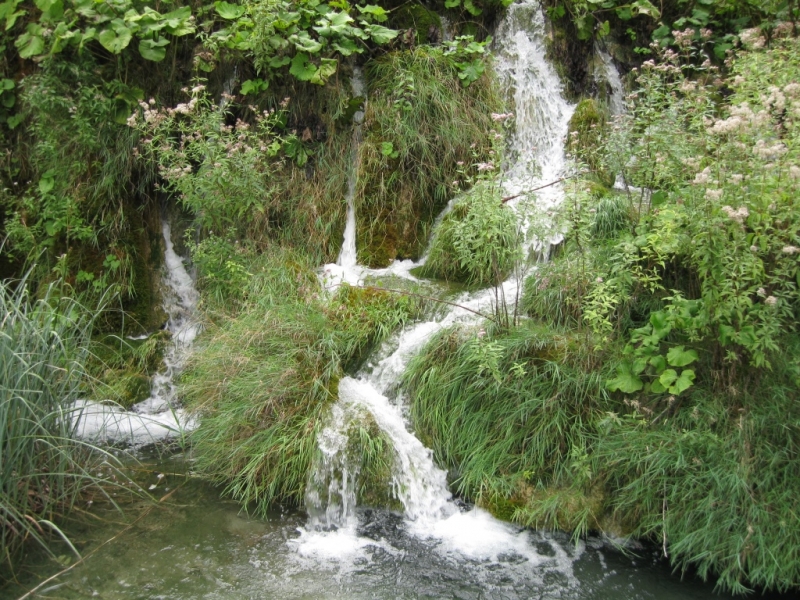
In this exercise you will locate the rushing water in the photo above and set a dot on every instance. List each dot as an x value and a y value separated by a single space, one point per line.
159 416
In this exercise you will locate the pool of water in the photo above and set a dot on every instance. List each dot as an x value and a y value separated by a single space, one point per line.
193 544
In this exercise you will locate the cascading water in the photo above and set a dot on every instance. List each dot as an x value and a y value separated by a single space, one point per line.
610 75
158 417
536 158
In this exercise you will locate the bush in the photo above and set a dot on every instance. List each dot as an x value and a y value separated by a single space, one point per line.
44 345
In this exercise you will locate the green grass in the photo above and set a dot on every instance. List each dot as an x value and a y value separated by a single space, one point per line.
420 123
44 346
504 411
262 379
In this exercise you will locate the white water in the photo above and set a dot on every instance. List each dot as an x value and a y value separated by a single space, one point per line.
158 417
536 158
610 75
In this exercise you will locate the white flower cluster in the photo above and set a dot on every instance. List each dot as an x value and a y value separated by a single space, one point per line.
752 38
738 215
765 152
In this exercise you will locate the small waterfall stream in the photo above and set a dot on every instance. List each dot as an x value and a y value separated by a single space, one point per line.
159 416
536 157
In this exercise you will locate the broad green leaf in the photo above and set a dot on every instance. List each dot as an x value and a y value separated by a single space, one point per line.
229 11
305 43
7 84
254 86
657 388
680 357
154 50
378 13
660 323
279 61
625 381
379 33
115 40
335 23
387 148
327 68
302 67
451 3
472 9
52 10
30 43
668 377
13 121
47 183
9 100
659 363
346 47
683 383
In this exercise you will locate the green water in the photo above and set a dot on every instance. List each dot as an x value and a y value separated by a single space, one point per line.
192 544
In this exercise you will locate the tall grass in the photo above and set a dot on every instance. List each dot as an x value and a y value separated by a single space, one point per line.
263 379
44 345
418 105
506 410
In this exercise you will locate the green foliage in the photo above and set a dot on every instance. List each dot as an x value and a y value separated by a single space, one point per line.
75 24
505 411
439 131
477 242
44 346
309 36
262 378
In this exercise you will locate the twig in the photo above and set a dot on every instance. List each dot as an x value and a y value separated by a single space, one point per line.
541 187
30 593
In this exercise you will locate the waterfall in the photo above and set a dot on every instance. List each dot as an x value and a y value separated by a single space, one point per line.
536 157
158 417
609 74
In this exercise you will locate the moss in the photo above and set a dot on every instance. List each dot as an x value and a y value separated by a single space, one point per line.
426 24
587 129
375 451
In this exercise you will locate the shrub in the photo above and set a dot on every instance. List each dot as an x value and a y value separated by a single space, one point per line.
477 242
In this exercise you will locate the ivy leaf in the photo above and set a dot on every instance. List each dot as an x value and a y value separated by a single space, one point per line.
228 11
154 50
117 39
337 23
680 357
47 182
658 363
469 72
327 68
657 388
683 383
302 67
625 381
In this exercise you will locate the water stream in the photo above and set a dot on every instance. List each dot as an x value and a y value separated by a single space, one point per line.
159 416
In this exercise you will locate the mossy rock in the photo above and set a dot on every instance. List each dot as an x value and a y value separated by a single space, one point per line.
128 387
587 129
426 23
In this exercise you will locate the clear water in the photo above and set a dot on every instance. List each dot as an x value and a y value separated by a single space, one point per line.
195 545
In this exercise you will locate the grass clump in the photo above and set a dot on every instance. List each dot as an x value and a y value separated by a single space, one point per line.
263 377
506 411
477 242
44 347
421 122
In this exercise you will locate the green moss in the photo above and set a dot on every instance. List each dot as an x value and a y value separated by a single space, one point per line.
587 128
418 18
